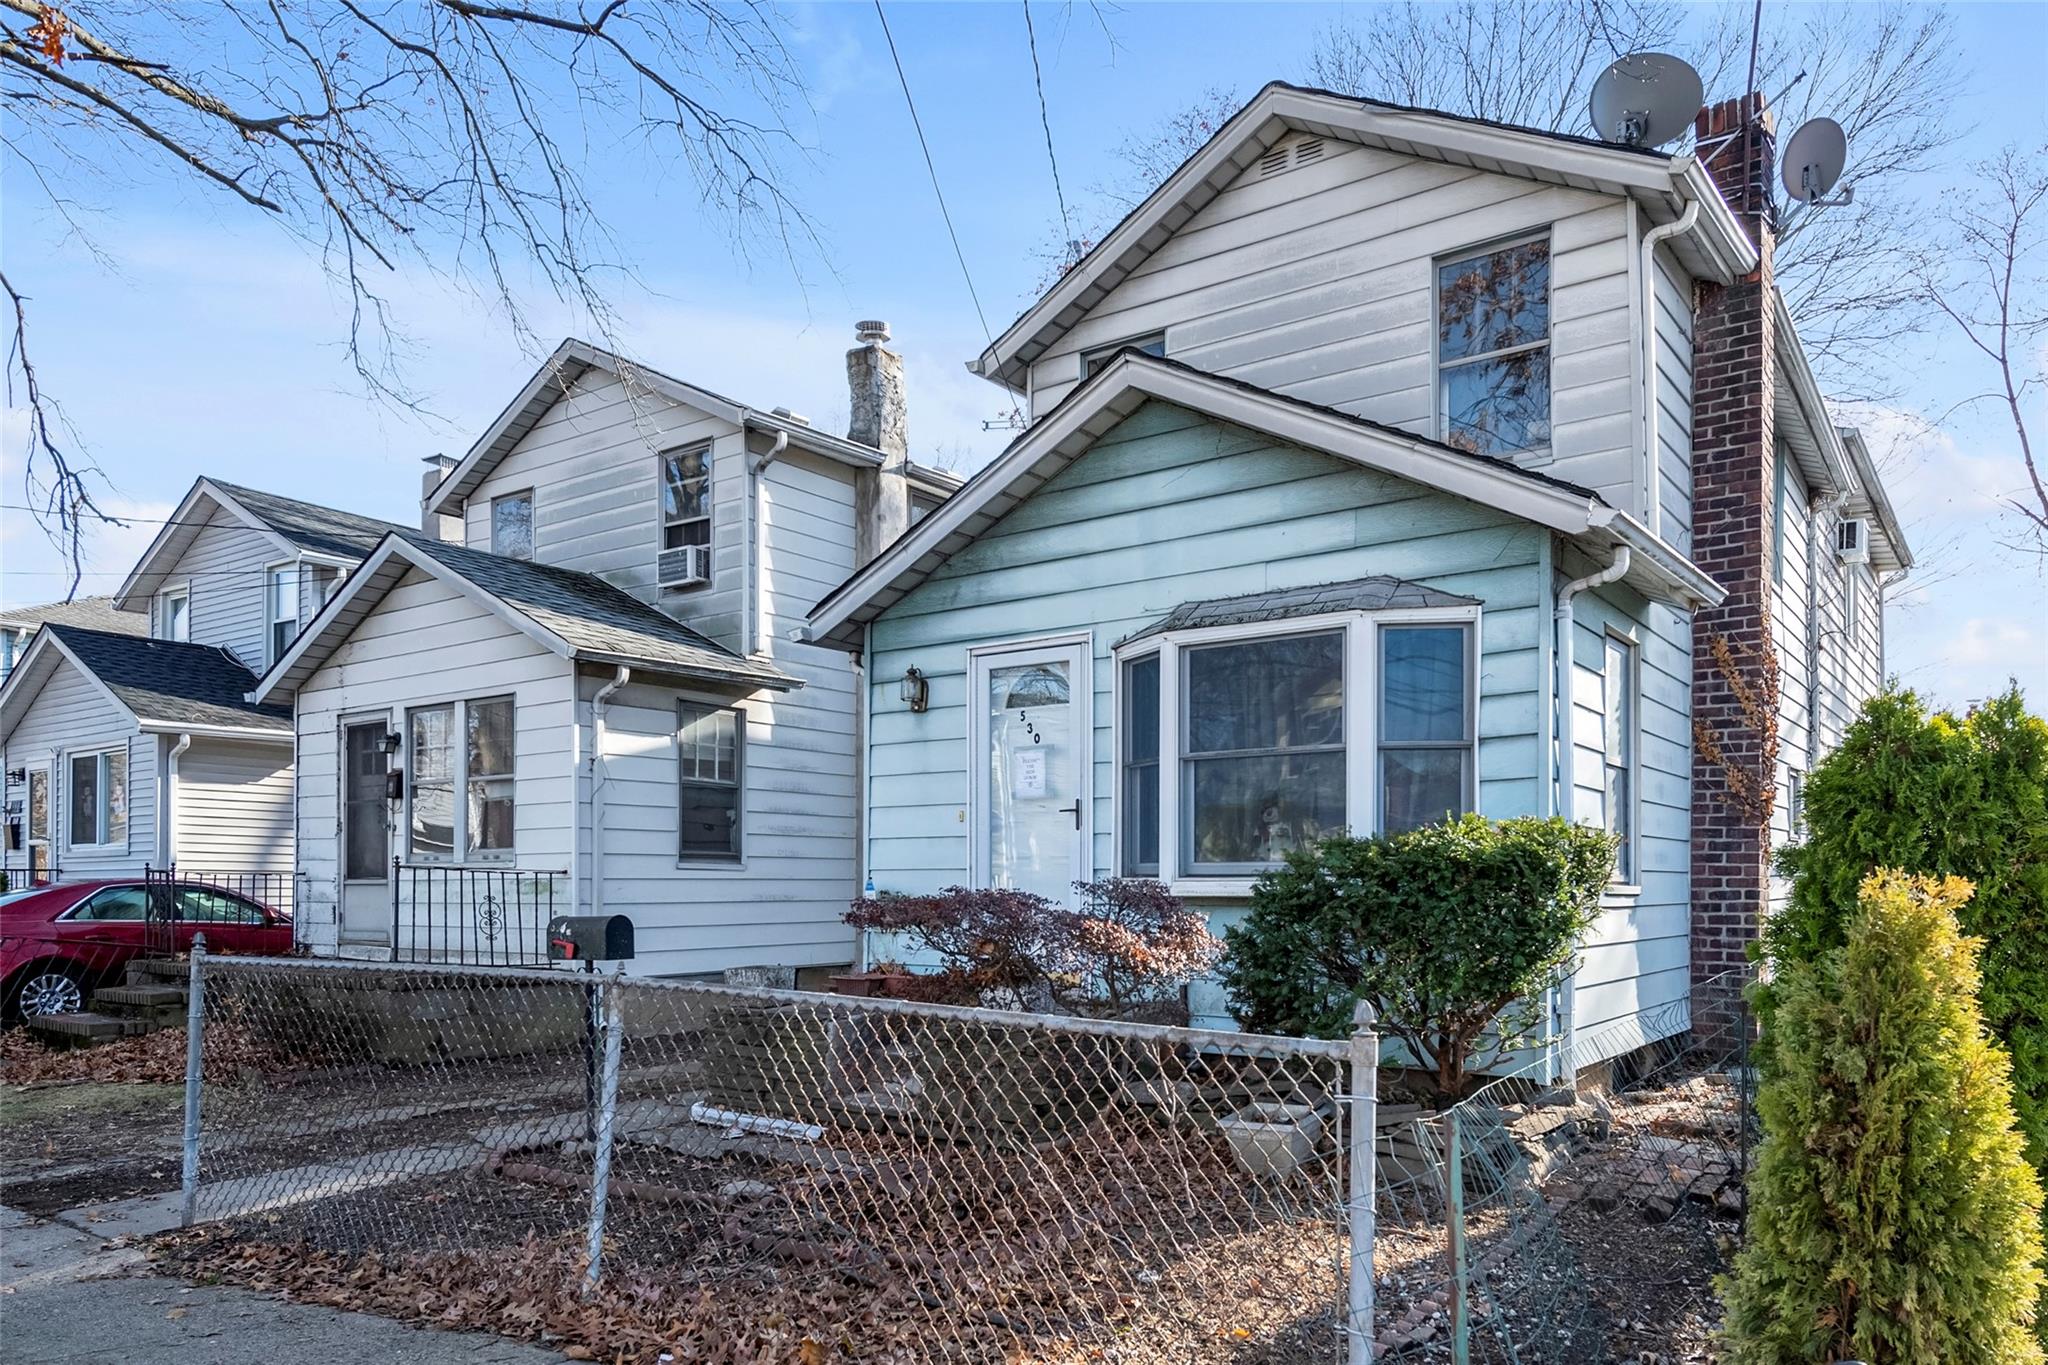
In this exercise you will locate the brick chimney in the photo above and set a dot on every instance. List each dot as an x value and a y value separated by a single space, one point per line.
433 523
880 418
1733 450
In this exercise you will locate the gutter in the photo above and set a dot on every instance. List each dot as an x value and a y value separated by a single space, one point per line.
168 836
599 777
755 465
1567 756
1653 501
1806 393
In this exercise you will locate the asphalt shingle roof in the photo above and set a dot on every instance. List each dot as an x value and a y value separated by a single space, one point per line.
311 526
93 613
164 680
596 619
1377 593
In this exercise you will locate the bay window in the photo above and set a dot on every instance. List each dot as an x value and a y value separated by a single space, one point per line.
98 804
460 749
1239 744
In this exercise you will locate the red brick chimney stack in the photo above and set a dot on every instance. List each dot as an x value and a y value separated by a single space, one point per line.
1733 453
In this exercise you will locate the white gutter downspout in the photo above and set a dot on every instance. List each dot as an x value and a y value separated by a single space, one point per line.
598 778
755 464
1813 510
1653 486
861 873
168 843
1567 765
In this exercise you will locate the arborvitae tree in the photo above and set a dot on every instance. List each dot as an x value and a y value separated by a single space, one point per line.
1893 1217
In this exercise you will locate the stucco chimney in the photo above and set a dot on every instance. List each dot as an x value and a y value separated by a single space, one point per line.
879 418
1734 446
433 523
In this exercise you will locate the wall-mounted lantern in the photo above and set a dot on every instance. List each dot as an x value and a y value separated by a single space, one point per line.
391 743
917 689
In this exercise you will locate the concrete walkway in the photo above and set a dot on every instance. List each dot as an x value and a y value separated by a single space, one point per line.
68 1296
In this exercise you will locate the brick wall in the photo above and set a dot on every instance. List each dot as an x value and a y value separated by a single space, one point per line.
1732 442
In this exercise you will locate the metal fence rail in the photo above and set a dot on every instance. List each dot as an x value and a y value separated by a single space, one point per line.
997 1185
490 916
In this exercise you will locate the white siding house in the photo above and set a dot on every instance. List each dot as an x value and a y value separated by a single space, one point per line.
637 554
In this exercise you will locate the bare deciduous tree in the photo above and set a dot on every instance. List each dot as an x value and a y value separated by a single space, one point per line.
1991 284
450 134
1884 72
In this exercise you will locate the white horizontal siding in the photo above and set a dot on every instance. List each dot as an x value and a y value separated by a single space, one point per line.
424 644
233 807
223 568
1320 283
1673 340
70 714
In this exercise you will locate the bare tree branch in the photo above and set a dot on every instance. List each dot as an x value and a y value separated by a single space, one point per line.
450 135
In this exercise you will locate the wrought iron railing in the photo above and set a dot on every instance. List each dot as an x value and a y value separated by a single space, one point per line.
486 916
18 875
196 898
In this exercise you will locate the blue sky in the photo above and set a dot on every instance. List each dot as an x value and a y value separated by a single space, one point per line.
209 342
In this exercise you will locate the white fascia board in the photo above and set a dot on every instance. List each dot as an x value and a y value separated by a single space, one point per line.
1806 393
358 583
238 733
1511 491
15 697
550 372
808 438
143 583
1676 580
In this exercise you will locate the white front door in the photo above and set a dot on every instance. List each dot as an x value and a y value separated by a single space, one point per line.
1031 748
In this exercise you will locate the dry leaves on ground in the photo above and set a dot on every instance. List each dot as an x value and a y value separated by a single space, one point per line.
150 1059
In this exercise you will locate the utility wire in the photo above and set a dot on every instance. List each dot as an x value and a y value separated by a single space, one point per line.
1045 122
931 167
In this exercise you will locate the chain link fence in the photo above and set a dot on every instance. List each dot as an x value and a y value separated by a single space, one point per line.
894 1180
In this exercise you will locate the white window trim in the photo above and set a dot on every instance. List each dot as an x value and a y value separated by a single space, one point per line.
1083 692
710 517
461 855
99 752
1628 881
736 864
1095 357
532 522
1439 399
173 593
1361 723
1118 815
271 654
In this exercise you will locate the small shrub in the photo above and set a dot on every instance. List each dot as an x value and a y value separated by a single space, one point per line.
989 938
1133 944
1893 1217
1451 931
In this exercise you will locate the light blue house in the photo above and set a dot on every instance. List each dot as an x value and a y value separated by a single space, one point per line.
1373 464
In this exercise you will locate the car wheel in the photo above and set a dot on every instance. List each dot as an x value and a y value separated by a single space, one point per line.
48 990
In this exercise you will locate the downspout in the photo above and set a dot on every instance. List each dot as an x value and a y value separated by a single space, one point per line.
1653 487
167 842
755 464
598 778
859 660
1813 511
1567 762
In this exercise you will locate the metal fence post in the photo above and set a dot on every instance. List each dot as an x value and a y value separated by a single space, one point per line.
1364 1192
1461 1323
607 1108
195 1066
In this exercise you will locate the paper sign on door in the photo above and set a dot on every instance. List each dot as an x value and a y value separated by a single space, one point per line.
1027 773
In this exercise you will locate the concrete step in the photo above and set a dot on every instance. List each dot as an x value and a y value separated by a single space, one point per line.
157 1006
158 971
84 1029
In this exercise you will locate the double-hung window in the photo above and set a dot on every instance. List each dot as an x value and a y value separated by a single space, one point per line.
686 498
1493 349
1237 745
98 800
710 761
280 609
512 525
460 780
1426 725
174 614
1618 740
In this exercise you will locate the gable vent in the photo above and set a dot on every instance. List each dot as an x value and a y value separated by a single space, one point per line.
1292 155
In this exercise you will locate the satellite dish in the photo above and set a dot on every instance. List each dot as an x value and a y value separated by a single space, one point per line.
1646 99
1814 158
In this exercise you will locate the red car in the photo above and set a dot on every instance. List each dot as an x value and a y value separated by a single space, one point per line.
59 943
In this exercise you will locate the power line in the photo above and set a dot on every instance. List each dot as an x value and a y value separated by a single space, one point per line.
1045 122
932 167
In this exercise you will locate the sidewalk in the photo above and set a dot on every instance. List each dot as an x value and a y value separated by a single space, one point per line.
68 1296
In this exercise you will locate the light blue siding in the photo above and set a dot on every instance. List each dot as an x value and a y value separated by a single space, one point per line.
1171 507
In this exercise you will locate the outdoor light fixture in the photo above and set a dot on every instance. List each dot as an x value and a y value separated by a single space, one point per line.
917 691
391 742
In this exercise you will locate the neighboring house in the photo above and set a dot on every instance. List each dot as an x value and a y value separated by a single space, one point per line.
93 613
594 699
128 750
1382 464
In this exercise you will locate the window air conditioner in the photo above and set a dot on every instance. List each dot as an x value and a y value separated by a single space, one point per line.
1852 540
686 567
